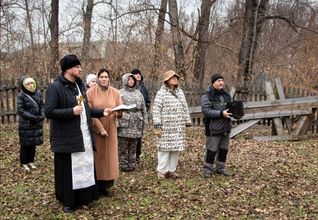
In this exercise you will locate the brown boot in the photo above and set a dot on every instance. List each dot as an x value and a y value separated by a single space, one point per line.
161 175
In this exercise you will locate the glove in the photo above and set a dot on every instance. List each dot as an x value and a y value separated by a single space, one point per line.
158 132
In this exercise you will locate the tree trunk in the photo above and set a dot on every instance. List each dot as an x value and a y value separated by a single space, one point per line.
54 43
176 38
28 16
254 12
158 40
87 34
203 30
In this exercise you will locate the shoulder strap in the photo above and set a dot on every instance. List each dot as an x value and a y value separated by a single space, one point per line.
31 99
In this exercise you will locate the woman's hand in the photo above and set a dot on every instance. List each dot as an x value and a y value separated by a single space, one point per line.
103 132
108 111
158 130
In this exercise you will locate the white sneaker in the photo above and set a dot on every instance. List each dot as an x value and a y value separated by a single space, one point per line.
25 168
32 165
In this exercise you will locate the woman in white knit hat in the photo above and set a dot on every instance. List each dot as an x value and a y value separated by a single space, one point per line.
91 80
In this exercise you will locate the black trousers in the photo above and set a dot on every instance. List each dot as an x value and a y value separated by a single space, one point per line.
105 184
64 186
138 148
27 154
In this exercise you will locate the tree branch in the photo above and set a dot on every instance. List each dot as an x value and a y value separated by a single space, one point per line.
291 23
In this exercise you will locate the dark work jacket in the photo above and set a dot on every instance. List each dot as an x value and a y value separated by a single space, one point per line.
212 110
31 116
141 87
65 131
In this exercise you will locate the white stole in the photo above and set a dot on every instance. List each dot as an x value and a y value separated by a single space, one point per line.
83 162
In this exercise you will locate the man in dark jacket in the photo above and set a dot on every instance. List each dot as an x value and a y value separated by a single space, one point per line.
217 123
71 136
141 87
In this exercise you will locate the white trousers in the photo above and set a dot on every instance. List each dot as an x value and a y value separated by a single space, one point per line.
167 161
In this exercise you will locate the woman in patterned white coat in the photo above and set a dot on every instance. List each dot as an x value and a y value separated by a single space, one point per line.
170 118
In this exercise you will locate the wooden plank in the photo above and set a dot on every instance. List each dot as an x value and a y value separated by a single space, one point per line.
259 115
276 114
242 127
310 101
279 87
281 95
279 128
303 124
275 105
281 138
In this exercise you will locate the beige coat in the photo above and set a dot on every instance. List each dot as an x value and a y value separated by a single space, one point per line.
106 155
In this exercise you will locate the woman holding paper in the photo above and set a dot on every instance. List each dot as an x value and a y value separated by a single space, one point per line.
131 125
105 131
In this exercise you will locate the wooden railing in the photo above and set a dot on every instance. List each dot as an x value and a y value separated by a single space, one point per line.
10 90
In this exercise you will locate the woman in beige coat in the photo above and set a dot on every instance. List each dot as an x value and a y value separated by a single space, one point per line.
105 132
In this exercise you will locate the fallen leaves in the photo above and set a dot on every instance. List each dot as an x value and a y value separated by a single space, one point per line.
273 180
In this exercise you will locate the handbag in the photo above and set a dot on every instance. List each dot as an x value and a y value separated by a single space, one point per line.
236 108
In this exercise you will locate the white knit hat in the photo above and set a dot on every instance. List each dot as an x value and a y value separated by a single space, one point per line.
90 77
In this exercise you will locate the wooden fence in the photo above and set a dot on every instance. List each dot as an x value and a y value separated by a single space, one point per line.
10 90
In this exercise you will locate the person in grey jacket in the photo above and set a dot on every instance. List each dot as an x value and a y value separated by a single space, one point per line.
131 125
217 123
144 91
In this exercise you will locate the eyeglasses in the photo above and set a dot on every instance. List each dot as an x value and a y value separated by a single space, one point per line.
175 77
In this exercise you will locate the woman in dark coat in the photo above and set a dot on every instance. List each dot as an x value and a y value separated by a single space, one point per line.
31 116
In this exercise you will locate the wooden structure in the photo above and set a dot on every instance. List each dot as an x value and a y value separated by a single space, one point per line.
280 111
260 108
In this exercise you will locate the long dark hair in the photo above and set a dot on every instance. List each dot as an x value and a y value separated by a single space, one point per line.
100 71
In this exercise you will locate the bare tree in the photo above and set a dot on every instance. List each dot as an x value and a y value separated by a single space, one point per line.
254 13
176 38
29 21
203 30
87 33
158 39
54 43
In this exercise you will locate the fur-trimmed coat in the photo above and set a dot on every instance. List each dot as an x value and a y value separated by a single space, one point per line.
171 114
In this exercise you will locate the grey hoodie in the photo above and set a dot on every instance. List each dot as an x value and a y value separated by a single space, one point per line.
132 123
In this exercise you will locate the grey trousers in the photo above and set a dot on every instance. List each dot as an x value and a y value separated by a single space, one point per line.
216 146
213 143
